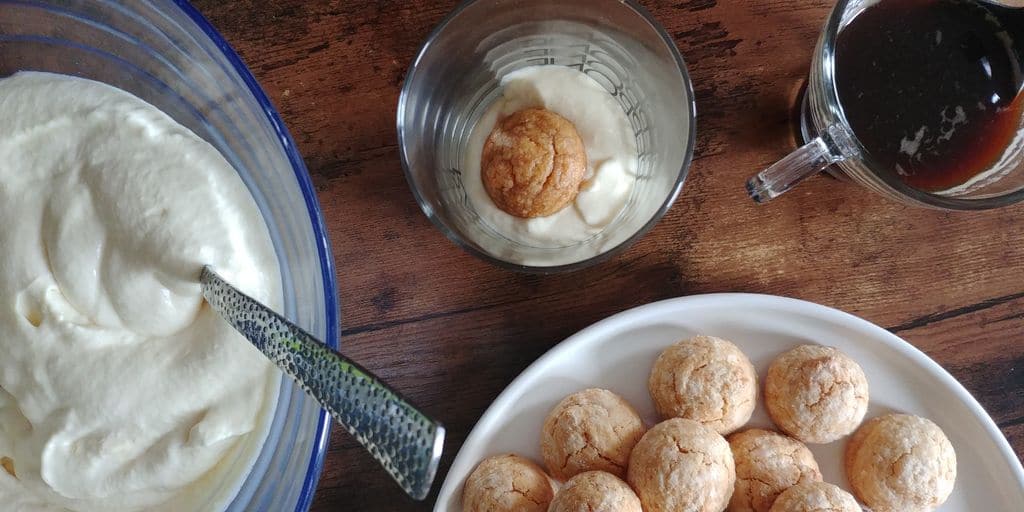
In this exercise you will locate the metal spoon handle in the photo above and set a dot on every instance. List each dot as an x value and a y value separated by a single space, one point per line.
1013 4
405 441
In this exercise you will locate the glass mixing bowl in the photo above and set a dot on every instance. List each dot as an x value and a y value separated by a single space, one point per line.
457 76
164 52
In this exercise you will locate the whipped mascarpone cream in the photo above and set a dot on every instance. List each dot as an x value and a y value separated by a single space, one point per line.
119 389
611 157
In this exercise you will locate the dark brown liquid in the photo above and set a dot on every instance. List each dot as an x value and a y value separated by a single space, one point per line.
930 87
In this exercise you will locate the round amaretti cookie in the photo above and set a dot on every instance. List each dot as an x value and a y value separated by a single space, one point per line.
816 394
901 463
595 491
681 465
767 463
590 430
533 163
705 379
815 497
507 483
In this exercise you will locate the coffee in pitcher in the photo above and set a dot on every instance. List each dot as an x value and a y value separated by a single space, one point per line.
930 89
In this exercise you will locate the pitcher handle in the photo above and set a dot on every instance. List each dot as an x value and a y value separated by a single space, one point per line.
834 145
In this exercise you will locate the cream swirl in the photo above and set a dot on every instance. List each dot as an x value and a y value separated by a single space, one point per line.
119 389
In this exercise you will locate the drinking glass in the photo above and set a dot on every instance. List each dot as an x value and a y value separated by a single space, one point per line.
457 76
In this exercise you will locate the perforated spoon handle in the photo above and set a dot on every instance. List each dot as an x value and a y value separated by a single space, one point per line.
405 441
1014 4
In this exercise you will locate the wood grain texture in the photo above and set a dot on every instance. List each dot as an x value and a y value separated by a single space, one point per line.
452 331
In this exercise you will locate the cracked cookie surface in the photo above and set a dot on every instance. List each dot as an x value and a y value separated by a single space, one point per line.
768 463
593 429
901 463
533 163
815 393
7 464
706 379
595 491
507 483
681 465
815 497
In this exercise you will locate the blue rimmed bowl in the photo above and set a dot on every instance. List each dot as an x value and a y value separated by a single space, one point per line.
166 53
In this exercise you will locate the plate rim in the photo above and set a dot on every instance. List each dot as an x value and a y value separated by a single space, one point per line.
821 311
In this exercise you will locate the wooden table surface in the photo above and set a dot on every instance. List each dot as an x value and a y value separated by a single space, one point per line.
452 331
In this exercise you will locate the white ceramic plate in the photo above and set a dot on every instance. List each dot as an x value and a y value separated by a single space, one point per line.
617 354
